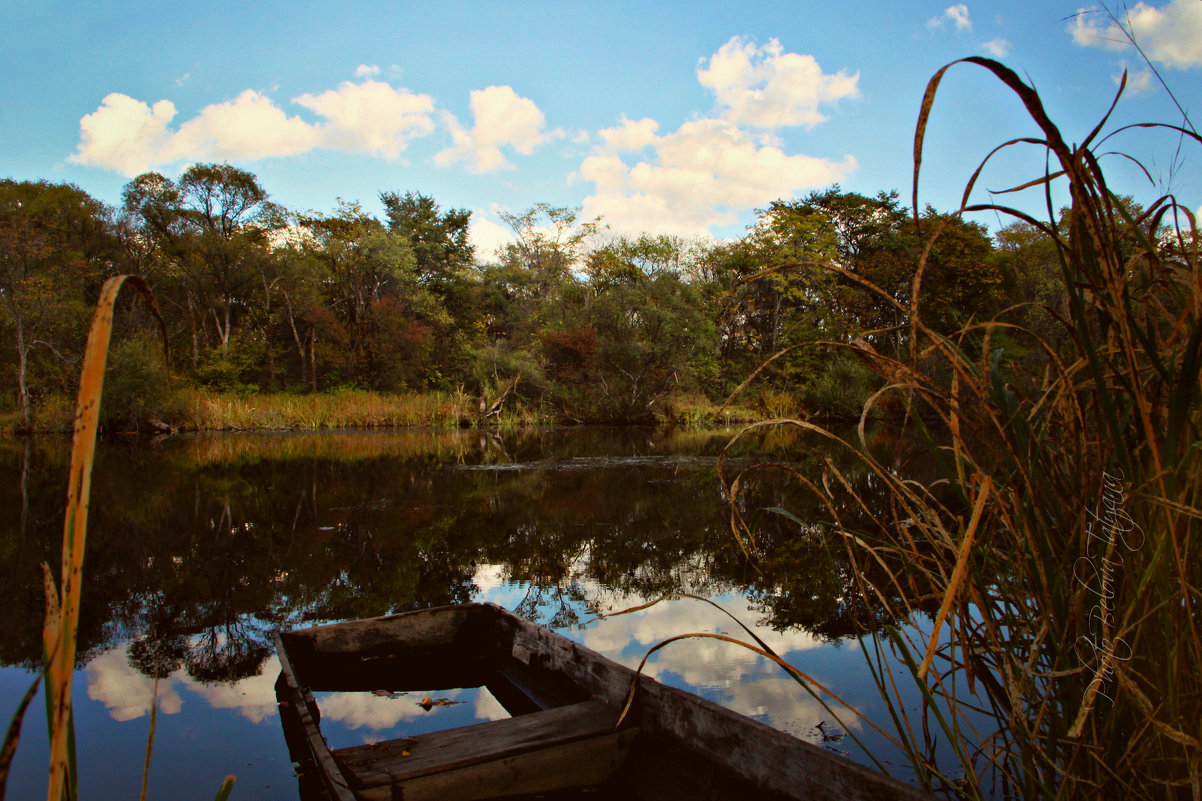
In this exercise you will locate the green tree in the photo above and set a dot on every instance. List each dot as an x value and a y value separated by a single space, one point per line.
639 332
550 244
439 240
1028 257
57 244
963 281
444 257
386 316
211 230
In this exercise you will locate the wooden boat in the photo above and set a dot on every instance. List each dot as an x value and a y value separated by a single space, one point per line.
565 702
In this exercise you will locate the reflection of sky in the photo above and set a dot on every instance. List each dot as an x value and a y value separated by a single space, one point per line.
724 672
127 693
351 718
738 678
206 731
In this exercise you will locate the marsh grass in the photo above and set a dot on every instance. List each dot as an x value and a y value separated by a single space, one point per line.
1058 535
345 409
206 410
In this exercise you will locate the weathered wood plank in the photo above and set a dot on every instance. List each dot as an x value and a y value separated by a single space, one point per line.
422 629
452 749
774 762
301 703
684 739
584 763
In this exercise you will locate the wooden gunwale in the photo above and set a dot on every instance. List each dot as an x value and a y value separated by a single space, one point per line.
716 747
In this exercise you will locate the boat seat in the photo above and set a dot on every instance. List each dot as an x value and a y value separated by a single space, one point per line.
569 746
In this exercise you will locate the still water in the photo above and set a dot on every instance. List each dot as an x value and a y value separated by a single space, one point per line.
200 547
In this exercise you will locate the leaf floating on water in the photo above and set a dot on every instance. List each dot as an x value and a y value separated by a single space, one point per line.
387 694
429 703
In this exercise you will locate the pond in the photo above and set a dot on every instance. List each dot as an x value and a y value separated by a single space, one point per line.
200 547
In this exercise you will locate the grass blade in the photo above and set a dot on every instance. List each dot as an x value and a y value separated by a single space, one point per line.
227 787
14 735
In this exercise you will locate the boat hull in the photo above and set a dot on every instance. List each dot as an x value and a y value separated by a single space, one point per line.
565 700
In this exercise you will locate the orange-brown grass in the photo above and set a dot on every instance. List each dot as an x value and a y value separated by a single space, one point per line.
1059 535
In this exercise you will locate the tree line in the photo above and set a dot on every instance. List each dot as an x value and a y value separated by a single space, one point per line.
570 319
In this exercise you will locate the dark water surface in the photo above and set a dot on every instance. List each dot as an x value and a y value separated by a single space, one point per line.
200 547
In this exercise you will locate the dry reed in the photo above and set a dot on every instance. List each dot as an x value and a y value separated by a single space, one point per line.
1058 535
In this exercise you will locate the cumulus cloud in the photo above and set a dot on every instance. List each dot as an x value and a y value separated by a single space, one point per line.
125 135
367 71
711 168
1139 81
611 636
250 126
126 693
371 117
1170 35
998 48
130 136
488 237
502 118
701 175
630 136
956 16
766 87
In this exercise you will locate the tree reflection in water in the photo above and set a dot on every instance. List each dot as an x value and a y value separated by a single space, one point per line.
200 547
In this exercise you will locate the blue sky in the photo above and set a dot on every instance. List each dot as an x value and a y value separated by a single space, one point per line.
668 117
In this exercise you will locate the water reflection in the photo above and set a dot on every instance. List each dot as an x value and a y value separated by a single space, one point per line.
200 547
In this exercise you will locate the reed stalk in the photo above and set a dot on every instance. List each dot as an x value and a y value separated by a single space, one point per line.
1058 535
61 624
62 614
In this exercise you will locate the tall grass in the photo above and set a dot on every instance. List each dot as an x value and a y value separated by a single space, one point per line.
209 411
1059 536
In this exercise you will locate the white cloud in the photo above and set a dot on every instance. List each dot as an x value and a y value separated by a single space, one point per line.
129 136
700 176
125 135
956 15
766 87
1089 29
720 662
1171 35
488 237
250 126
998 48
711 168
630 136
1139 81
253 697
502 118
367 71
126 693
371 117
